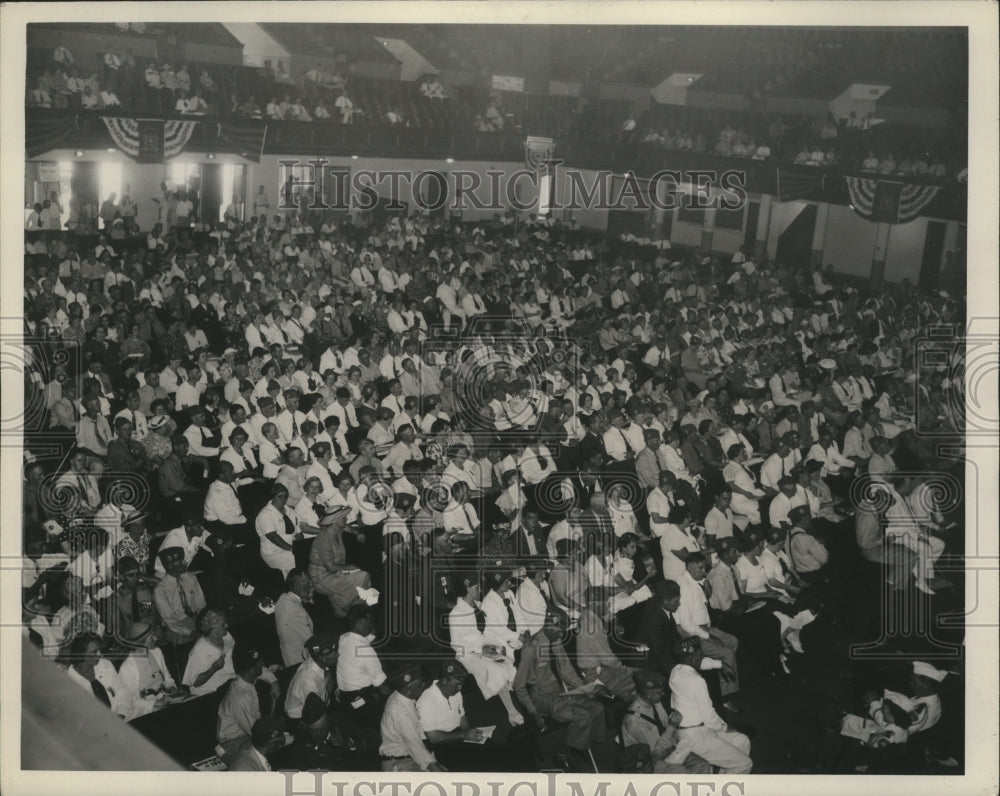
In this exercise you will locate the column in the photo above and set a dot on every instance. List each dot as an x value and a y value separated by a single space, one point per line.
706 231
879 254
763 226
819 235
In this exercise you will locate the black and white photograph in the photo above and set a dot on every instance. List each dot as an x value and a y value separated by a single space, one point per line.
563 398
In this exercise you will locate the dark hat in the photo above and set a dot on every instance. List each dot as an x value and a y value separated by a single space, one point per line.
666 588
244 656
265 729
313 709
403 677
454 669
646 680
322 643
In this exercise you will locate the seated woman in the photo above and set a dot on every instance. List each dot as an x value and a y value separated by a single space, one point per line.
758 579
332 576
144 675
745 503
490 665
210 664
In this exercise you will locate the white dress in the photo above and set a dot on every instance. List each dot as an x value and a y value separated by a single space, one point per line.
467 641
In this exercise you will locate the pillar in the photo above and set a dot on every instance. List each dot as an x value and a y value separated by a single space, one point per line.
763 226
819 235
879 254
707 230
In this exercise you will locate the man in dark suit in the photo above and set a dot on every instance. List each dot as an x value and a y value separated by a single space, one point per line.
593 442
659 632
530 535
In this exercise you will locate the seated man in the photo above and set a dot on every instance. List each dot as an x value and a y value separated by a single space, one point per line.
178 597
315 674
240 707
701 731
403 747
441 708
647 722
291 619
361 682
594 655
543 676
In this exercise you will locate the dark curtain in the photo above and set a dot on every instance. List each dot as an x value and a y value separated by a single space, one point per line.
211 192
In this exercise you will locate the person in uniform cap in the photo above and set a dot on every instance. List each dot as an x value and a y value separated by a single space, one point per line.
442 710
700 729
648 723
323 742
266 737
315 674
544 674
403 747
240 707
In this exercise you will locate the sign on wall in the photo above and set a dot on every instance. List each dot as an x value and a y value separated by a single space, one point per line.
48 172
507 83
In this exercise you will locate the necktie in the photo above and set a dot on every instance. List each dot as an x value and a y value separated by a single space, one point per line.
672 622
289 525
480 619
184 600
246 461
135 606
295 427
736 583
511 621
628 447
654 715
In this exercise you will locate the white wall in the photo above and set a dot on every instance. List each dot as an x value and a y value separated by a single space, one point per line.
269 174
782 214
685 233
849 242
586 217
905 251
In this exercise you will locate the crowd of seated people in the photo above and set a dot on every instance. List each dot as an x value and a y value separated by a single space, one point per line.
850 142
333 478
323 94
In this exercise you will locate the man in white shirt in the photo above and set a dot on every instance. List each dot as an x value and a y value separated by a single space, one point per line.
693 620
291 619
359 671
190 537
222 502
778 465
790 495
701 730
719 520
290 421
616 442
312 675
828 452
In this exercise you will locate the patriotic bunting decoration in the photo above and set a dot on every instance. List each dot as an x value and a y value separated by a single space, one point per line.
889 201
126 135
